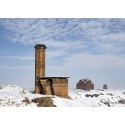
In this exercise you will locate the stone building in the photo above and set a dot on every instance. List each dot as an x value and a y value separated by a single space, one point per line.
105 86
47 85
85 84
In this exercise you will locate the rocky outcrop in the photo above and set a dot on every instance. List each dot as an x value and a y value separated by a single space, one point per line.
44 102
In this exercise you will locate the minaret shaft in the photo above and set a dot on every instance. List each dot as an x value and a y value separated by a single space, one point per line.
39 64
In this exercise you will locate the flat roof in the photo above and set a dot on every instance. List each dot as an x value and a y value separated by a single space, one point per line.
54 77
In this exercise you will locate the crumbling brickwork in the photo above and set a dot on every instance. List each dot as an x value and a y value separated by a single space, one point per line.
85 84
54 86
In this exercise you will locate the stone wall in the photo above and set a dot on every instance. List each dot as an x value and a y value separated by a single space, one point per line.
60 87
54 86
85 85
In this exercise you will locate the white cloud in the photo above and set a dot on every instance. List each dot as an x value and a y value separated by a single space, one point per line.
65 44
17 67
19 57
93 34
88 61
112 37
55 53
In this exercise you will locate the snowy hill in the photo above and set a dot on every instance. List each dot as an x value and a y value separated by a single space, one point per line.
99 98
15 96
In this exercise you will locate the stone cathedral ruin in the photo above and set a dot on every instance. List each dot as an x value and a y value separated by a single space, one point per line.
47 85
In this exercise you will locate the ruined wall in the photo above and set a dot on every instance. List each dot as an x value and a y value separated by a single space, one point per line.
81 85
85 85
60 87
89 86
55 86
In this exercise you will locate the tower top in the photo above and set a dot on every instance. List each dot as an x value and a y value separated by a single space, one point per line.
38 46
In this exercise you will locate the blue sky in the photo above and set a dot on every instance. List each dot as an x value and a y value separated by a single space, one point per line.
78 48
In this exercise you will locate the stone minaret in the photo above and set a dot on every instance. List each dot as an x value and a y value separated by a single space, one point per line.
39 64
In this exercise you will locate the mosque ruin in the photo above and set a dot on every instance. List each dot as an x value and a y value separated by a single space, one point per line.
47 85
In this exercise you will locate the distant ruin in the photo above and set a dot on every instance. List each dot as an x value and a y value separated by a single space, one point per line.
47 85
85 84
105 86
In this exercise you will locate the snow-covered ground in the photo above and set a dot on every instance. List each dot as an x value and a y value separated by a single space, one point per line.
99 98
15 96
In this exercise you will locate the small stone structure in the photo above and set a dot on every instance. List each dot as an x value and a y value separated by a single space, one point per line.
47 85
105 86
53 86
85 84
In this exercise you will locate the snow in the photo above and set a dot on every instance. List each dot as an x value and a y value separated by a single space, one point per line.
101 98
62 102
15 96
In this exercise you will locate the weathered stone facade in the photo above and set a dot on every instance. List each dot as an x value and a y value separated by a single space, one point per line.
48 85
54 86
85 84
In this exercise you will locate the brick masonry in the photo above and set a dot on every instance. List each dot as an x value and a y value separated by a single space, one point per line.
47 85
54 86
85 85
